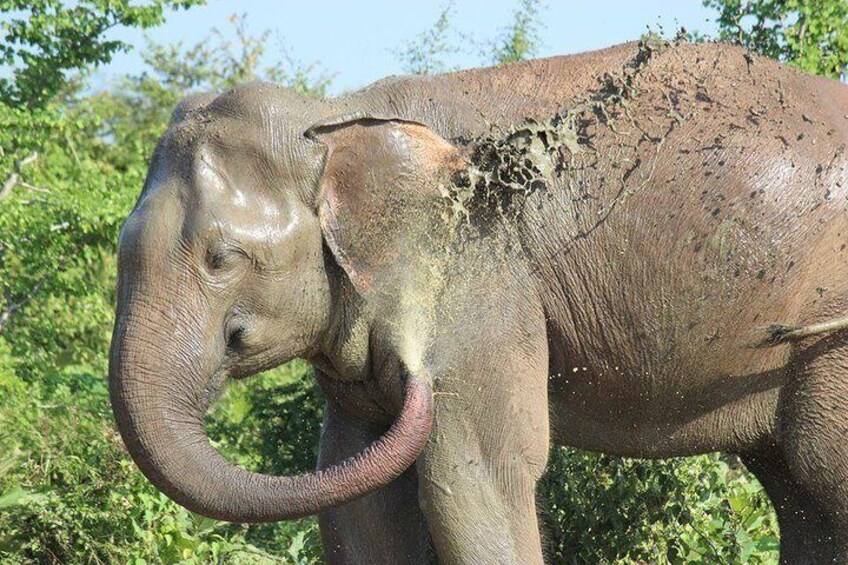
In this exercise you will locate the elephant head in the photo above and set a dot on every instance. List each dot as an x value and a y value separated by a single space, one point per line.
224 271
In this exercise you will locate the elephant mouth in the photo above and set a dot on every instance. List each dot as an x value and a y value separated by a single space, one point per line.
229 369
238 368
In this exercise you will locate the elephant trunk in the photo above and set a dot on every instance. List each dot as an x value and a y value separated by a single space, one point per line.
159 400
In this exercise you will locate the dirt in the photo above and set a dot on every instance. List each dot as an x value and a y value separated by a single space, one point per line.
533 157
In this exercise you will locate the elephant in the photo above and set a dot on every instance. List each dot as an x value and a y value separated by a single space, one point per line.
640 250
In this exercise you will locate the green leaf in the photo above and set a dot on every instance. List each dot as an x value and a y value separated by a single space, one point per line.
13 497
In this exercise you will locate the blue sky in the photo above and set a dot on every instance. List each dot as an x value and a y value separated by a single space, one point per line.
358 41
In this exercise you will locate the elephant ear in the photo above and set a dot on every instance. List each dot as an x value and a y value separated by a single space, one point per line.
380 194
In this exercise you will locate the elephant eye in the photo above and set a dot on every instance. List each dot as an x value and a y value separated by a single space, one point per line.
216 259
236 339
225 257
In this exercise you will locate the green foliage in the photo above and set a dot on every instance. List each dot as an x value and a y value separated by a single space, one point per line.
57 234
603 509
215 64
426 54
809 34
70 494
46 38
285 417
429 52
520 39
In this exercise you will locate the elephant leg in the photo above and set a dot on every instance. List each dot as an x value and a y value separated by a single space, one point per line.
478 474
805 534
811 475
386 526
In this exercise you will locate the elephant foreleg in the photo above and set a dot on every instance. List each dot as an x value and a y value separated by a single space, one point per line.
386 526
477 477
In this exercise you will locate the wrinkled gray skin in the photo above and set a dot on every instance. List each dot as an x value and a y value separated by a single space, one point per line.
616 297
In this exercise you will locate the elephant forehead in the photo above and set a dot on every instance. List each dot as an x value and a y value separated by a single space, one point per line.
230 211
244 227
235 186
256 223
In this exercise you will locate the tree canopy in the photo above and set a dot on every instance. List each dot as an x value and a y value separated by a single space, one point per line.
809 34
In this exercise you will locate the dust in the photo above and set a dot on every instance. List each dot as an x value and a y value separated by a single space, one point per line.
417 313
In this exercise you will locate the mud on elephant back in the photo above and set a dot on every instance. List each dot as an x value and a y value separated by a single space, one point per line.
445 250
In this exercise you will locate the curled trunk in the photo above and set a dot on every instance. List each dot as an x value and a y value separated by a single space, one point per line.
160 416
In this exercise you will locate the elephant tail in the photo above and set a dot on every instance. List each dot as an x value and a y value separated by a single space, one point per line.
778 334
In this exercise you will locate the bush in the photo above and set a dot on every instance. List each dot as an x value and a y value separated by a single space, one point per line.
704 509
70 494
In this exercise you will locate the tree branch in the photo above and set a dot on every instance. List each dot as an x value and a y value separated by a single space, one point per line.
15 176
